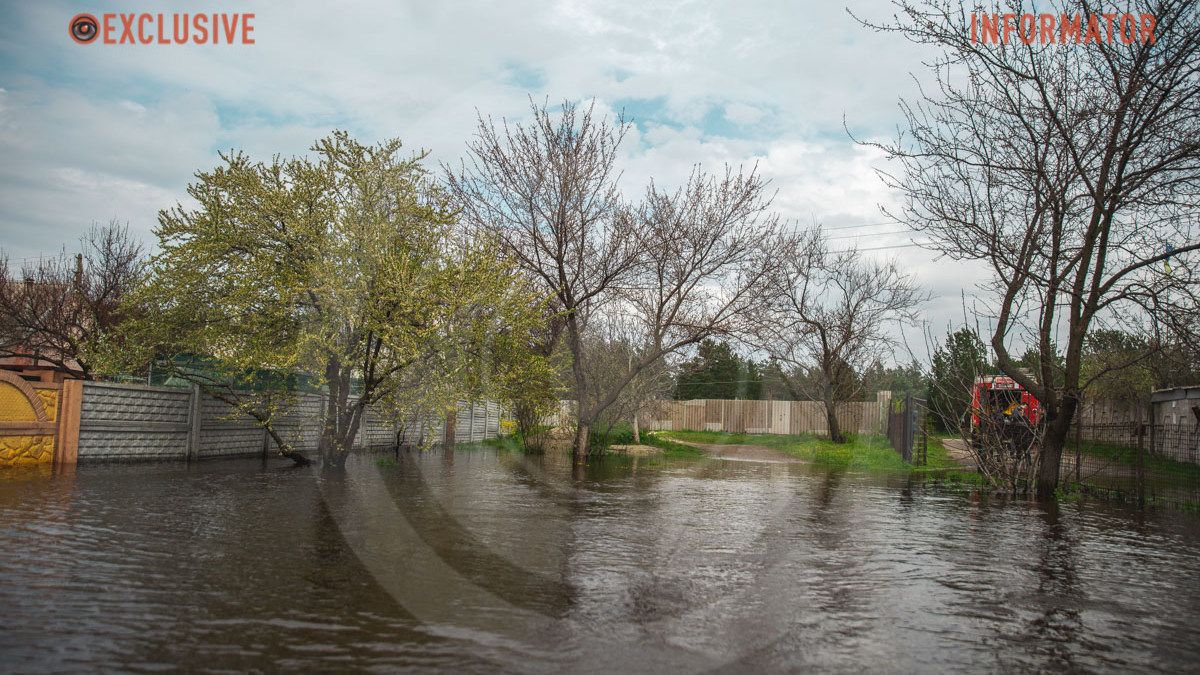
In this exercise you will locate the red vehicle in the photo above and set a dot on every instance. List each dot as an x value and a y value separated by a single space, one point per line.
998 400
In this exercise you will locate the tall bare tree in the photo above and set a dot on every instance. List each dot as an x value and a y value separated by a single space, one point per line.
613 347
707 252
57 310
830 310
547 190
1072 171
684 265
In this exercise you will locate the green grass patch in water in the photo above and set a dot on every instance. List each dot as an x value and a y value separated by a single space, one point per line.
862 452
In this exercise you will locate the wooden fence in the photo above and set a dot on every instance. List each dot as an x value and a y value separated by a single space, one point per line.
753 417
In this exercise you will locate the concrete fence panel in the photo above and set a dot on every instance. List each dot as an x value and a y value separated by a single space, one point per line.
224 432
121 421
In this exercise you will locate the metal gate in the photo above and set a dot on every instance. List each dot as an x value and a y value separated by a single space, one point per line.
906 428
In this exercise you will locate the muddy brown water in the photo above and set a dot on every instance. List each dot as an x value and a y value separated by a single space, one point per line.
483 561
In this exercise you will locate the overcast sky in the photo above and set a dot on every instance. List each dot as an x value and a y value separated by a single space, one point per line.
94 132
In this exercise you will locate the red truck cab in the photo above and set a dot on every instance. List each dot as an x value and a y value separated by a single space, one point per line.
1000 394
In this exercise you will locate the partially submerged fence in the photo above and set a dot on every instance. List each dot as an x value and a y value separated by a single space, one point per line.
110 421
1157 463
907 429
39 419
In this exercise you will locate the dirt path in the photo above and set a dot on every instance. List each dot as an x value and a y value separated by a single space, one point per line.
743 453
957 450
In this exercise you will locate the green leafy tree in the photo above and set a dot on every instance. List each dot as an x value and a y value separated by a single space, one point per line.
718 372
907 378
1117 367
956 364
346 268
776 385
1175 364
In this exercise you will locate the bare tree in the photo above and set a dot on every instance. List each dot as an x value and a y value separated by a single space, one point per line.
56 310
832 309
547 191
684 264
1072 171
614 345
707 252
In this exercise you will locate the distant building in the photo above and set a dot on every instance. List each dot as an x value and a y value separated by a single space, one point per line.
1176 406
37 352
1176 429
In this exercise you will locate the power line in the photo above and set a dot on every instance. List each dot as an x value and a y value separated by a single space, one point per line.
870 234
858 227
44 256
886 248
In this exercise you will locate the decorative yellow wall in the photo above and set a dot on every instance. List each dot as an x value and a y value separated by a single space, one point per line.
14 405
21 450
50 402
17 405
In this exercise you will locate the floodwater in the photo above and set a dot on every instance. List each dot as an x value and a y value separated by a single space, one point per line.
487 561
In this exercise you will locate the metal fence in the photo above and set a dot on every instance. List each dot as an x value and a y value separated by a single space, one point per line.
907 428
1143 462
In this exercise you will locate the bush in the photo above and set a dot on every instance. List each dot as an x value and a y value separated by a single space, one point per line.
602 436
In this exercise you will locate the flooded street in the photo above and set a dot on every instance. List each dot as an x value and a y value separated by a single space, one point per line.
483 561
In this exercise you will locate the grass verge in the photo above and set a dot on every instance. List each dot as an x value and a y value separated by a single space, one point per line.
863 452
671 448
1127 456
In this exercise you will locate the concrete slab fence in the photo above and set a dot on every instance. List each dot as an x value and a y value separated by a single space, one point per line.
120 421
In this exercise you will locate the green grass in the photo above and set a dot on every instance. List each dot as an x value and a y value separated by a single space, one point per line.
1126 456
1166 483
670 448
618 435
864 452
622 434
941 466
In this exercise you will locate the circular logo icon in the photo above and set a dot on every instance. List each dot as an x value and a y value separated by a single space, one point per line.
84 28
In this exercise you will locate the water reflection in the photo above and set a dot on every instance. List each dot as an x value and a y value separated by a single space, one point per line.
483 561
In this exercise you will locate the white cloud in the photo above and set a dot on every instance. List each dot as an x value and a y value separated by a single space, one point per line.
741 113
93 132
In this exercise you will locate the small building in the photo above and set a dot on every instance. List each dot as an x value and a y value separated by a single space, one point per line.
1176 406
1176 423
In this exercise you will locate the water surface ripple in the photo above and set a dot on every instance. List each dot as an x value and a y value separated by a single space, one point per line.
482 561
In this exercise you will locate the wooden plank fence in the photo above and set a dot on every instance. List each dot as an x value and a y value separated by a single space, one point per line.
753 417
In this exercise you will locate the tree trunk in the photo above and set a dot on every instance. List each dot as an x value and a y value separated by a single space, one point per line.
637 432
579 449
831 420
285 450
340 428
1053 441
450 429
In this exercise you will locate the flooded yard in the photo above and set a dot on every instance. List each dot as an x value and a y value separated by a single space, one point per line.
484 560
